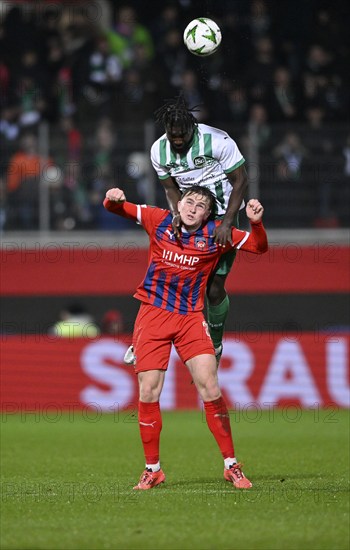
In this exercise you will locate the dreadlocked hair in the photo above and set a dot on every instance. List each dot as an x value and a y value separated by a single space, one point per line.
176 113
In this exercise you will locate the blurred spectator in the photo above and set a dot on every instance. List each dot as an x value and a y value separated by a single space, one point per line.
155 85
258 117
291 156
102 164
127 33
78 39
238 104
30 90
63 93
23 177
193 94
283 97
168 19
237 32
286 184
67 142
112 323
135 103
318 61
260 70
173 57
259 19
103 72
18 36
316 136
9 127
75 322
138 169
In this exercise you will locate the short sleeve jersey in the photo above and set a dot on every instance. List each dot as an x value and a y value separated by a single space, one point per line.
212 155
178 272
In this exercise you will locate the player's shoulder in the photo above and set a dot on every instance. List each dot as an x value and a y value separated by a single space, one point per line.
158 140
215 132
153 211
152 208
156 146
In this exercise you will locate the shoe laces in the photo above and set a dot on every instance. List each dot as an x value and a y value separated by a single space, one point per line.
236 469
146 475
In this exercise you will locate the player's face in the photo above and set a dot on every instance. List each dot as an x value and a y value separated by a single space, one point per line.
194 209
179 138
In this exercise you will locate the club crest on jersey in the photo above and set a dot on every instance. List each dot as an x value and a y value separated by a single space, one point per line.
199 162
200 242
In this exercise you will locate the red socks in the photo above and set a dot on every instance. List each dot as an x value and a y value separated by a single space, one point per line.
150 423
218 421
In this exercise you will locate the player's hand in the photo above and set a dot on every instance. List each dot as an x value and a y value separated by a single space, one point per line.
115 195
176 223
254 210
223 234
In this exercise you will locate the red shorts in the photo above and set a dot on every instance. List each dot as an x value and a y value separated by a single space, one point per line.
157 329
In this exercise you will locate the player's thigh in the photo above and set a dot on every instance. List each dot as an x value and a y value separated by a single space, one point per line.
152 339
192 336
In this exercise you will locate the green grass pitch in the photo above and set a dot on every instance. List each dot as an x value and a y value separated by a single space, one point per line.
66 483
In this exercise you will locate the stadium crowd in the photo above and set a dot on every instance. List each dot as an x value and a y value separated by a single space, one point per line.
281 70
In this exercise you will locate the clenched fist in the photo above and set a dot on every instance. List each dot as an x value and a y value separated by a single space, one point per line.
115 194
254 210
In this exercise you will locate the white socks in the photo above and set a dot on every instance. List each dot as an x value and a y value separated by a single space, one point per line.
228 462
153 467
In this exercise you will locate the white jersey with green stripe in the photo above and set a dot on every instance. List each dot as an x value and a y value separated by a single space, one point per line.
212 155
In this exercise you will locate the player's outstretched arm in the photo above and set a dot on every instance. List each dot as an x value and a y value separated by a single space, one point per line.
257 239
115 202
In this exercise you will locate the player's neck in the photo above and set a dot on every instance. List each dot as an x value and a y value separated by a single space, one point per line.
191 229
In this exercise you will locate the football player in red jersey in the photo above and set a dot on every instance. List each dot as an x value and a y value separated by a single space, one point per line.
172 299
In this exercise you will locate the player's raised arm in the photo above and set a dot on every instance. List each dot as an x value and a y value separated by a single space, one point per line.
257 239
116 203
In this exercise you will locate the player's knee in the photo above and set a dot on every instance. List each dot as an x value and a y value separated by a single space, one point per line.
210 391
148 393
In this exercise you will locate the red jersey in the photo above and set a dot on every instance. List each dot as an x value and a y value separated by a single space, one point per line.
178 270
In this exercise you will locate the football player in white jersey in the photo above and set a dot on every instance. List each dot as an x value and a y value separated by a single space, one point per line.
189 154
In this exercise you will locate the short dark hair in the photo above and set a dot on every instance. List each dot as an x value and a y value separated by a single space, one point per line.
204 192
175 112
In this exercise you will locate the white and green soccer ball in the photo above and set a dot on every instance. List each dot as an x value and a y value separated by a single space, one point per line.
202 36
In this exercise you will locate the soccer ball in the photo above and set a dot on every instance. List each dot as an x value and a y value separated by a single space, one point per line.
202 36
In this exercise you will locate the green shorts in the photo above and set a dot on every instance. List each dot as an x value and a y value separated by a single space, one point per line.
224 265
